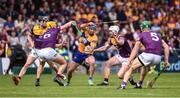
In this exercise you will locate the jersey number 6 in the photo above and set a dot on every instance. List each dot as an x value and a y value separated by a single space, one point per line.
46 36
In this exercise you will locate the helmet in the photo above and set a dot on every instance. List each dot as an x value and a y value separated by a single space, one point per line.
92 27
114 29
145 25
43 18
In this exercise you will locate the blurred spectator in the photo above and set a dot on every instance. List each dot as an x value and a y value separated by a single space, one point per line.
163 14
19 23
18 57
113 15
109 4
9 25
23 40
13 39
3 42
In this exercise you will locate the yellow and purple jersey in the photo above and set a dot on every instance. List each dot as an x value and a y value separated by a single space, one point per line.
89 41
85 40
124 50
45 37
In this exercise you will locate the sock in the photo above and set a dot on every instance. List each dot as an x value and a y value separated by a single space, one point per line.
106 80
19 77
58 75
90 78
131 80
37 79
139 83
123 84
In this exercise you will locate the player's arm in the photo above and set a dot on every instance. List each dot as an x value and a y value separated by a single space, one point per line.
103 48
67 25
86 24
166 53
121 41
134 51
60 45
29 38
1 48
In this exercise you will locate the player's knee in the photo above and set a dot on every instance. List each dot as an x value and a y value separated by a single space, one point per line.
64 63
107 64
91 60
131 68
120 76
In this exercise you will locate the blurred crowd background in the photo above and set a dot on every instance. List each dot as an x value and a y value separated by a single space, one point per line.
18 16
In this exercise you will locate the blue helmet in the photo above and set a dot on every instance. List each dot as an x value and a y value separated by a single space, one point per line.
92 27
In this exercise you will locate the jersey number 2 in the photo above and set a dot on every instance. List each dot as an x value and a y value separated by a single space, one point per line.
154 36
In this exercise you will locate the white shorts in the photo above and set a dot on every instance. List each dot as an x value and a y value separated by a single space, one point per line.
149 59
44 54
121 59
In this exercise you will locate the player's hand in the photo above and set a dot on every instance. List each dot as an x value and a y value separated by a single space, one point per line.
83 40
91 23
88 49
74 23
94 50
166 64
127 63
64 43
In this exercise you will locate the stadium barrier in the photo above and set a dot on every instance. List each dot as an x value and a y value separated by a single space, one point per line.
4 63
174 66
173 60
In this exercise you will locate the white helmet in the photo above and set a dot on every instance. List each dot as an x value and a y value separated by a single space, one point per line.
114 29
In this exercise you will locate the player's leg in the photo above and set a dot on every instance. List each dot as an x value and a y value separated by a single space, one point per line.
71 68
111 62
142 77
53 66
29 61
135 64
39 73
60 78
91 61
40 70
122 71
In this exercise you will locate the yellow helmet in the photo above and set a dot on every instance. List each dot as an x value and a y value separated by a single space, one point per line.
40 31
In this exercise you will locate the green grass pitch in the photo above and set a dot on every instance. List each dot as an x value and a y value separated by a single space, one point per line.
168 85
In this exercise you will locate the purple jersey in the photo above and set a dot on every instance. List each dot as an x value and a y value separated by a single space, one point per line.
124 50
152 42
48 39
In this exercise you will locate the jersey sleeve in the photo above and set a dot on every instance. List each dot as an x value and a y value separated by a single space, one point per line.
139 38
109 41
